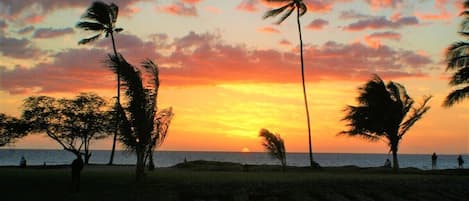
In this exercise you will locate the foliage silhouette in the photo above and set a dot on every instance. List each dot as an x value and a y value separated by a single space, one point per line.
457 58
383 111
287 10
73 123
162 120
101 18
274 144
11 128
140 122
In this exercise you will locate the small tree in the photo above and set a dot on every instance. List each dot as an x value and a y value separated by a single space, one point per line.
383 112
11 128
73 123
139 120
274 144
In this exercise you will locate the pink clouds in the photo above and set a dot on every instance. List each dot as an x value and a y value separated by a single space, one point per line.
18 48
248 6
443 14
45 33
204 59
374 39
181 8
382 23
268 30
13 10
378 4
317 24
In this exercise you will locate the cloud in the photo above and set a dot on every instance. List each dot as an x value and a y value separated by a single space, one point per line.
74 70
26 30
443 14
380 4
352 14
248 6
374 39
191 1
45 33
33 11
179 9
3 25
18 48
205 59
381 22
285 42
268 30
317 24
213 9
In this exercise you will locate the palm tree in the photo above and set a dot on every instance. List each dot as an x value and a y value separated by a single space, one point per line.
139 120
101 18
287 10
162 120
384 111
274 144
457 57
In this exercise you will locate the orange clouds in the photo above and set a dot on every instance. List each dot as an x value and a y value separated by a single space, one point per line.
204 59
317 24
268 30
374 39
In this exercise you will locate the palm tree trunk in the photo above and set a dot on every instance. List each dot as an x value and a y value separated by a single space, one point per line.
140 170
111 160
304 88
395 162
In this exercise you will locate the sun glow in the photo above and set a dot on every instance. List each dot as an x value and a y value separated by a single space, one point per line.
245 150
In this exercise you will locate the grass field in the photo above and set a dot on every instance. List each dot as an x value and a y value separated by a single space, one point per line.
229 182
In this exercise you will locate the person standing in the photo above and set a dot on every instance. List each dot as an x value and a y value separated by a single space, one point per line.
434 158
460 162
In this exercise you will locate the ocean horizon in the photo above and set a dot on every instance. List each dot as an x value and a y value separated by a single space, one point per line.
11 157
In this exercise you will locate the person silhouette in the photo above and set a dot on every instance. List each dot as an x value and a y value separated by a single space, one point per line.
460 162
77 166
22 162
387 163
434 158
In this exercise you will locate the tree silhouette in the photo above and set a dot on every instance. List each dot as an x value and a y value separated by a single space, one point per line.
287 10
162 120
73 123
274 144
383 111
11 128
139 120
101 18
457 58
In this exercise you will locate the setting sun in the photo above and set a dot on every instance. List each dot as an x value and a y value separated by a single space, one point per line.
245 150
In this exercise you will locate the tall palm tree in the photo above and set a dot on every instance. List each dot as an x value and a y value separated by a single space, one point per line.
457 57
274 144
384 111
139 120
287 10
101 18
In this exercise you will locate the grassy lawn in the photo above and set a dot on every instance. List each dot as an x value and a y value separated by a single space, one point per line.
117 183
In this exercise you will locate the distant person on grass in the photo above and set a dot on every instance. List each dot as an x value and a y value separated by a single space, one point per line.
22 162
460 162
434 158
77 166
387 164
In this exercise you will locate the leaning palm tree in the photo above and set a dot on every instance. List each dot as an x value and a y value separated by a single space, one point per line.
384 111
274 144
162 120
287 10
138 119
101 18
457 57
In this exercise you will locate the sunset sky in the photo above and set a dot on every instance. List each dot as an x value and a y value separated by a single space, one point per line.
227 73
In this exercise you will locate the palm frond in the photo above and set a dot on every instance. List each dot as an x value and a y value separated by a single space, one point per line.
285 15
457 55
114 12
456 96
90 39
277 11
91 26
302 7
460 77
416 115
99 12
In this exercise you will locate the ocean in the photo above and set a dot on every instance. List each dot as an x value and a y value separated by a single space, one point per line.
11 157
